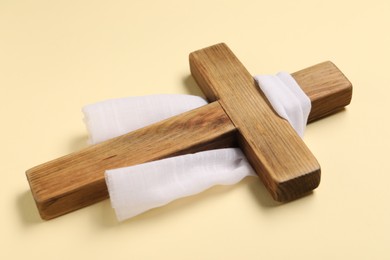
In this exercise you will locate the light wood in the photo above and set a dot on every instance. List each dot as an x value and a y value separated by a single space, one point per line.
277 154
77 180
327 87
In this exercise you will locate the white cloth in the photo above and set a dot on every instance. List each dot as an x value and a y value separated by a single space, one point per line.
138 188
115 117
287 99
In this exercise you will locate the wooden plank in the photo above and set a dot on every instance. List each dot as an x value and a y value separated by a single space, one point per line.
77 180
327 87
279 156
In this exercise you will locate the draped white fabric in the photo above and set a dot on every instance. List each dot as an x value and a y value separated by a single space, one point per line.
116 117
138 188
287 99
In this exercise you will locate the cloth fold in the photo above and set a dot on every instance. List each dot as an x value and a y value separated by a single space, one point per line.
138 188
287 99
115 117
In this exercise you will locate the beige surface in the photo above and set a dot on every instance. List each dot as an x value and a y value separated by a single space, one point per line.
56 56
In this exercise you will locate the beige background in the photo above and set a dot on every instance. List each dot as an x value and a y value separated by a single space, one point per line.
56 56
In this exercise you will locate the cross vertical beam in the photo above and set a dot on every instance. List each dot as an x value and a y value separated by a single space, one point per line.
278 155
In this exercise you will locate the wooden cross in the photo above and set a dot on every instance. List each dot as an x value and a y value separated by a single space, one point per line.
238 114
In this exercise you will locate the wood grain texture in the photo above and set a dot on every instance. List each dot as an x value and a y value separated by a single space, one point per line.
327 87
278 155
77 180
